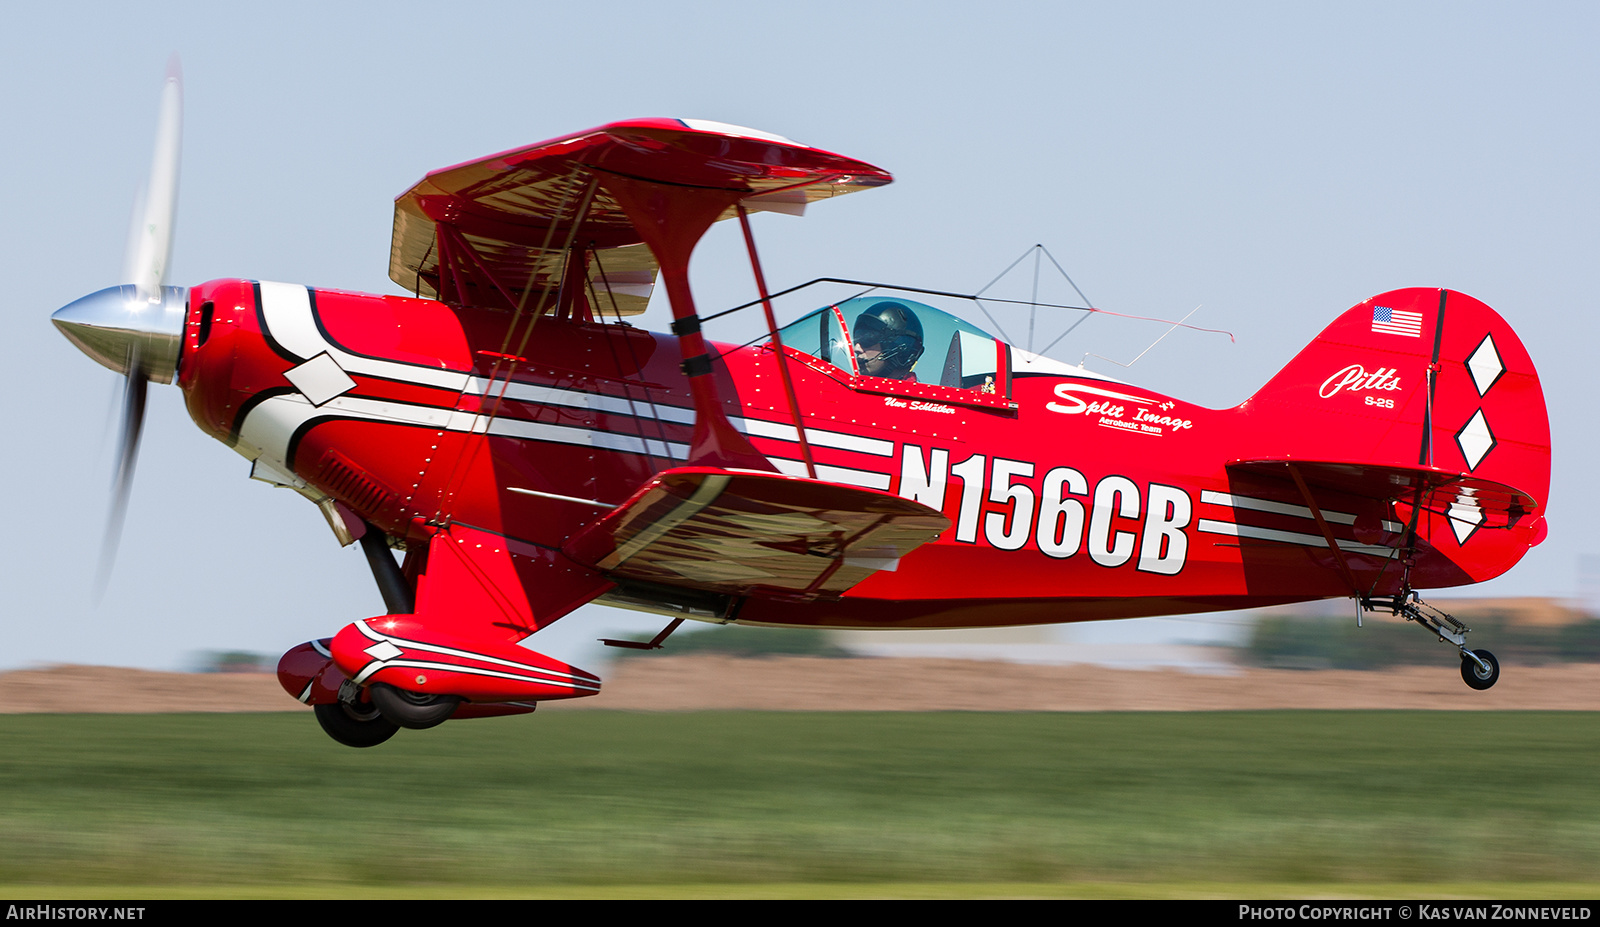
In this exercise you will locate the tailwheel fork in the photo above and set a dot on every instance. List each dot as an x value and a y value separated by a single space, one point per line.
1479 668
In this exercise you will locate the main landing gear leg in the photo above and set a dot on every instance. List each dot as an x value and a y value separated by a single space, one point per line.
1479 668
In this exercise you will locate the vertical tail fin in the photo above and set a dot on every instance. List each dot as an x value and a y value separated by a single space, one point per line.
1423 380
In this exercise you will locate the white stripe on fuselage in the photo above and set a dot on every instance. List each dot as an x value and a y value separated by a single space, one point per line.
870 479
286 312
288 318
286 307
780 431
1288 537
270 426
1235 501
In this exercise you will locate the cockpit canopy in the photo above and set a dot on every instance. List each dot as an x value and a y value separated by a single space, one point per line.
893 344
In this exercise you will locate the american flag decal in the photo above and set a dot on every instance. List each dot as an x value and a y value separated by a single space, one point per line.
1396 322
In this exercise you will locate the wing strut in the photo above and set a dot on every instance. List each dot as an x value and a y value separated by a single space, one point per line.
777 342
671 219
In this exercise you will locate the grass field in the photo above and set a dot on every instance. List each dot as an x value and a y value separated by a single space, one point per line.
807 804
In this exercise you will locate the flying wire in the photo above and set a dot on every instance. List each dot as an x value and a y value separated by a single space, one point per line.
870 286
655 412
1135 360
503 361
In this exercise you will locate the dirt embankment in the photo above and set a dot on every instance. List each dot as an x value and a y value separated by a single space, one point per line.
688 683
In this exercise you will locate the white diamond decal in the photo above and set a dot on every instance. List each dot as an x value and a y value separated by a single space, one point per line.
320 379
1475 440
383 650
1465 517
1485 366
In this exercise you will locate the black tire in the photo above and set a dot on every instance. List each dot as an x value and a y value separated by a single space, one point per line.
1474 675
412 709
355 725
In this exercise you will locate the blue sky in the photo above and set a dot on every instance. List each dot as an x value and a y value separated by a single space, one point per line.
1272 163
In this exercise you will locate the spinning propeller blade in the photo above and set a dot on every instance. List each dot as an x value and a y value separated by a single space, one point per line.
133 402
135 329
149 248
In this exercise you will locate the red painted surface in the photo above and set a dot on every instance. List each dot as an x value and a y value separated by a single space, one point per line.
1010 476
503 455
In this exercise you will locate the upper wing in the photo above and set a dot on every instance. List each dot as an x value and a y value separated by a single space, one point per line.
517 211
736 532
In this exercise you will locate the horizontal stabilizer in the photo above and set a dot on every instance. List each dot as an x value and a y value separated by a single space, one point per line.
735 532
1465 502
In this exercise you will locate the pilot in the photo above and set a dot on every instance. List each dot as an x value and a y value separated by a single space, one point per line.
888 340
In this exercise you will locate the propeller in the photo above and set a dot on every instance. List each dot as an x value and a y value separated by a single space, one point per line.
150 241
136 329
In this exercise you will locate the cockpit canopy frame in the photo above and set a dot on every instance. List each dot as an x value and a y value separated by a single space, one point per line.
959 363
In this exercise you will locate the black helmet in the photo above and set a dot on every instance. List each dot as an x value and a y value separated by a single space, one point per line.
894 330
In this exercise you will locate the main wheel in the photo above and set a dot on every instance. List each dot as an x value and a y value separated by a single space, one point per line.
412 709
1475 675
355 725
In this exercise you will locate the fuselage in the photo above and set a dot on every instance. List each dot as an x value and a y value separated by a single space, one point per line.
1071 497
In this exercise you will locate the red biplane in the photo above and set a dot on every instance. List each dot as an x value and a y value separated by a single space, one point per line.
878 463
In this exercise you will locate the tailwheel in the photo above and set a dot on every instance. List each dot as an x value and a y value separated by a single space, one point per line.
412 709
354 724
1479 669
